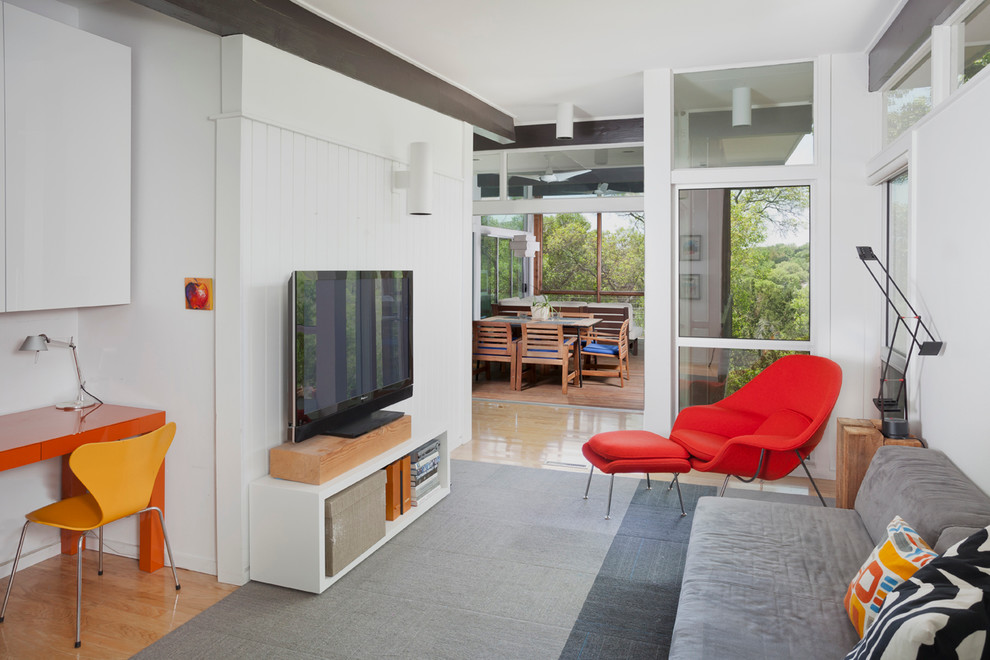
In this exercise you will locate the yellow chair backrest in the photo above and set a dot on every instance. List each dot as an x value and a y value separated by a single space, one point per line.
121 475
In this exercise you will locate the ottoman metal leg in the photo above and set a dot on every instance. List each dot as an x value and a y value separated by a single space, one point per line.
649 486
679 498
608 511
588 487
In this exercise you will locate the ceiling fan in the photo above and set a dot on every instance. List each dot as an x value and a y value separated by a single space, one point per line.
549 176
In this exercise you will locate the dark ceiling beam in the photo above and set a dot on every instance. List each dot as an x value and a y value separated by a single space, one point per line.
906 33
287 26
600 132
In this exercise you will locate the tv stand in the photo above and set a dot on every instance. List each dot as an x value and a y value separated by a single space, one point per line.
288 526
365 424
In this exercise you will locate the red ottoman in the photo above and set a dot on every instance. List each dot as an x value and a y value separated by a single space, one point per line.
616 452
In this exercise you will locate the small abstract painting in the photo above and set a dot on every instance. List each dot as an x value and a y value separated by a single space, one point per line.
199 293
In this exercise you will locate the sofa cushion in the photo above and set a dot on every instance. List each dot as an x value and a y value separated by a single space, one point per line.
940 612
766 580
924 487
895 559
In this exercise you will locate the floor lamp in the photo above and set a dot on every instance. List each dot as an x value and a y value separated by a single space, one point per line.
897 427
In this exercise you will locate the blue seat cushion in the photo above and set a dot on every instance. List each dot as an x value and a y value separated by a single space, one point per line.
601 349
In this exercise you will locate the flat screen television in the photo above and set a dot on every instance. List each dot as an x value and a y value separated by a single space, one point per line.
351 350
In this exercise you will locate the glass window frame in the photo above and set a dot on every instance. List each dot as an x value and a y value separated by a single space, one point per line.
756 177
917 59
679 146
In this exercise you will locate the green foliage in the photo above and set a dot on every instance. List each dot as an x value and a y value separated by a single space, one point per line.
904 108
977 65
769 285
568 251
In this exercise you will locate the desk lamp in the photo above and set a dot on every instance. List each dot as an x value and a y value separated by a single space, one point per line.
38 343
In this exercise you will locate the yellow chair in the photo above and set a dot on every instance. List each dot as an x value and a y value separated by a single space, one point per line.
119 477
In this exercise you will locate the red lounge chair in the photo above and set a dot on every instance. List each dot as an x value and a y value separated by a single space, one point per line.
766 428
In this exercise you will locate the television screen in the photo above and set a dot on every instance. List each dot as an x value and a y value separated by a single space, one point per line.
352 345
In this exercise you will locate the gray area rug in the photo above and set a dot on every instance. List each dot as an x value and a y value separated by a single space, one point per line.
514 563
630 610
500 568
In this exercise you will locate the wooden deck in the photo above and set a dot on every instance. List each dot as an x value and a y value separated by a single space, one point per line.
597 392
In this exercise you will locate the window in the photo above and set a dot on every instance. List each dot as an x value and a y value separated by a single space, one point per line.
747 116
898 244
908 100
502 273
608 171
744 273
593 257
976 47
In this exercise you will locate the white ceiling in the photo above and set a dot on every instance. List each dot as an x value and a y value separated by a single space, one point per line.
525 56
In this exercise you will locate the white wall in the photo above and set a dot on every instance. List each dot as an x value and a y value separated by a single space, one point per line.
948 175
151 353
306 158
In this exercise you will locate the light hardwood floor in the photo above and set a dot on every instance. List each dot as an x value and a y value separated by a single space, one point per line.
124 610
550 437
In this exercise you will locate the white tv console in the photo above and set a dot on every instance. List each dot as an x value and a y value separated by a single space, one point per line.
288 524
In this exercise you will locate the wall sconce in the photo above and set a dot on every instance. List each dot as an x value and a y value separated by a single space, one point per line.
39 343
742 106
524 245
417 181
565 121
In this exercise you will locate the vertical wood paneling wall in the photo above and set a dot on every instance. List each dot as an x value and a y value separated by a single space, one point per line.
307 203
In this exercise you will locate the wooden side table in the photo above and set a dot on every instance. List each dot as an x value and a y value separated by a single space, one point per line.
857 441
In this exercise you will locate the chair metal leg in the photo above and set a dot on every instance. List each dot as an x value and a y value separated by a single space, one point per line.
670 486
679 498
649 486
588 487
100 571
168 546
79 549
725 483
13 570
808 472
608 511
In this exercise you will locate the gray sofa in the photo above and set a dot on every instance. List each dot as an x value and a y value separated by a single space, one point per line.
766 580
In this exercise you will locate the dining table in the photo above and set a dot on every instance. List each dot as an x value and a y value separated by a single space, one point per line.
576 324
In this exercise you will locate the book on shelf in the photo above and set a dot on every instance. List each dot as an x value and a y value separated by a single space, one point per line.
419 496
425 466
425 477
424 487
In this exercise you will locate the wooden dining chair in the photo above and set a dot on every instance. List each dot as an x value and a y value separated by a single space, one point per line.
492 342
544 343
602 345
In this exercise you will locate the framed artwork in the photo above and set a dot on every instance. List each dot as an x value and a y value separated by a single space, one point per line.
691 247
199 293
690 287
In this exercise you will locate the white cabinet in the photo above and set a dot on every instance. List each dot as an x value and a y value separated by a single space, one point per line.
288 523
66 172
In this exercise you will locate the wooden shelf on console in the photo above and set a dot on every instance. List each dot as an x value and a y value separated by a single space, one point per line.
321 458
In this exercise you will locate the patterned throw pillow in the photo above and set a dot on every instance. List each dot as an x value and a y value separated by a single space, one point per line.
942 611
894 560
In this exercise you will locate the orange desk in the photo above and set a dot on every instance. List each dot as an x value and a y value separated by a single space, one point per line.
37 435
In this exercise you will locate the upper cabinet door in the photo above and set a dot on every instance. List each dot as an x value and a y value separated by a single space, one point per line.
67 171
